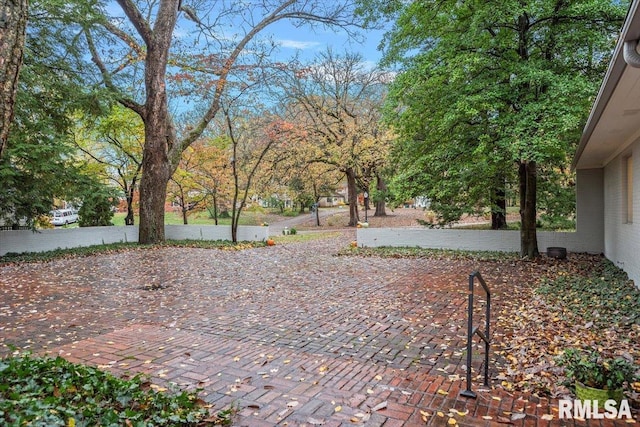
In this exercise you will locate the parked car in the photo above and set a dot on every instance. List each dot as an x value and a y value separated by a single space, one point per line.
63 216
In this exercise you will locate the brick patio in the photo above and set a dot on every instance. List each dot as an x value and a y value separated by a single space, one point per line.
290 335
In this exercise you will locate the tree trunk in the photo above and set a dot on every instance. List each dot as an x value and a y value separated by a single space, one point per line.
13 24
159 133
153 190
499 206
215 208
129 219
381 192
528 186
352 189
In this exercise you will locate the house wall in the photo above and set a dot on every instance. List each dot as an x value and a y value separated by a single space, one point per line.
622 239
20 241
590 208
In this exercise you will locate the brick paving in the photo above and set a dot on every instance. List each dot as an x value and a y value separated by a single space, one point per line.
289 335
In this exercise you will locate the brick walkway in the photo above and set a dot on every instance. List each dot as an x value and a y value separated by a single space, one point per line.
290 335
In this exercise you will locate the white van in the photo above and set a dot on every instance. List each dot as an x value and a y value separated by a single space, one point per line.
63 216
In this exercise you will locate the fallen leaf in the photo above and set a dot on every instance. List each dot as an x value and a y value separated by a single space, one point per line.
380 406
338 408
518 416
547 417
442 392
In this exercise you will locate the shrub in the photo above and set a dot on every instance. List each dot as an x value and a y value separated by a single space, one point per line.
592 369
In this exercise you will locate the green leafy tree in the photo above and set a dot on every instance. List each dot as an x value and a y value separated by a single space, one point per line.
38 165
113 144
98 201
489 91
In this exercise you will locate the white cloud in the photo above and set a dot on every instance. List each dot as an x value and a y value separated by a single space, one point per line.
296 44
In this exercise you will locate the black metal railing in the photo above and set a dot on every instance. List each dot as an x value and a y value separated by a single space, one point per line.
471 331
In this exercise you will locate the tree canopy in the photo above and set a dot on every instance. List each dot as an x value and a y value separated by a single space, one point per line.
150 70
38 164
492 93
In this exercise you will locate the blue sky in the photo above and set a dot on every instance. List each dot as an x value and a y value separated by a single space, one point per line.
311 42
307 41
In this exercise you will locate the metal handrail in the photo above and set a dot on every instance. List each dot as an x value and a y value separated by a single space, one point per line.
485 336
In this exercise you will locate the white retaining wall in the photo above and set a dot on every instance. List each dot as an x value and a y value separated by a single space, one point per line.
588 237
20 241
472 240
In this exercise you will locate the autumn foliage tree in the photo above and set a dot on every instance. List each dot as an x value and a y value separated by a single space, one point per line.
211 174
293 163
252 136
338 100
137 53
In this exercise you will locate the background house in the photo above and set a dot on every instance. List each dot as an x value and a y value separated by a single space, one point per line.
607 161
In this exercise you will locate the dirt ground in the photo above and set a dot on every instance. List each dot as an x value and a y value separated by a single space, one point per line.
399 217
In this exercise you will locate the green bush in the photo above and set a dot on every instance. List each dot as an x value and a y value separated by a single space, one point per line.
591 369
55 392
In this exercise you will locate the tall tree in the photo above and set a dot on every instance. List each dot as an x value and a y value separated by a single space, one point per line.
495 85
13 24
338 100
143 43
114 142
252 138
38 163
210 174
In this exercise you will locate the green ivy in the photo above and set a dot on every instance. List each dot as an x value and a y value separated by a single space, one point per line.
593 370
606 296
55 392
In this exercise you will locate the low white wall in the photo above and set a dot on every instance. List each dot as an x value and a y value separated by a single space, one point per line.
20 241
472 240
215 232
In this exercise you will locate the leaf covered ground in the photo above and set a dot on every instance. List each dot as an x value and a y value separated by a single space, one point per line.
583 303
545 306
